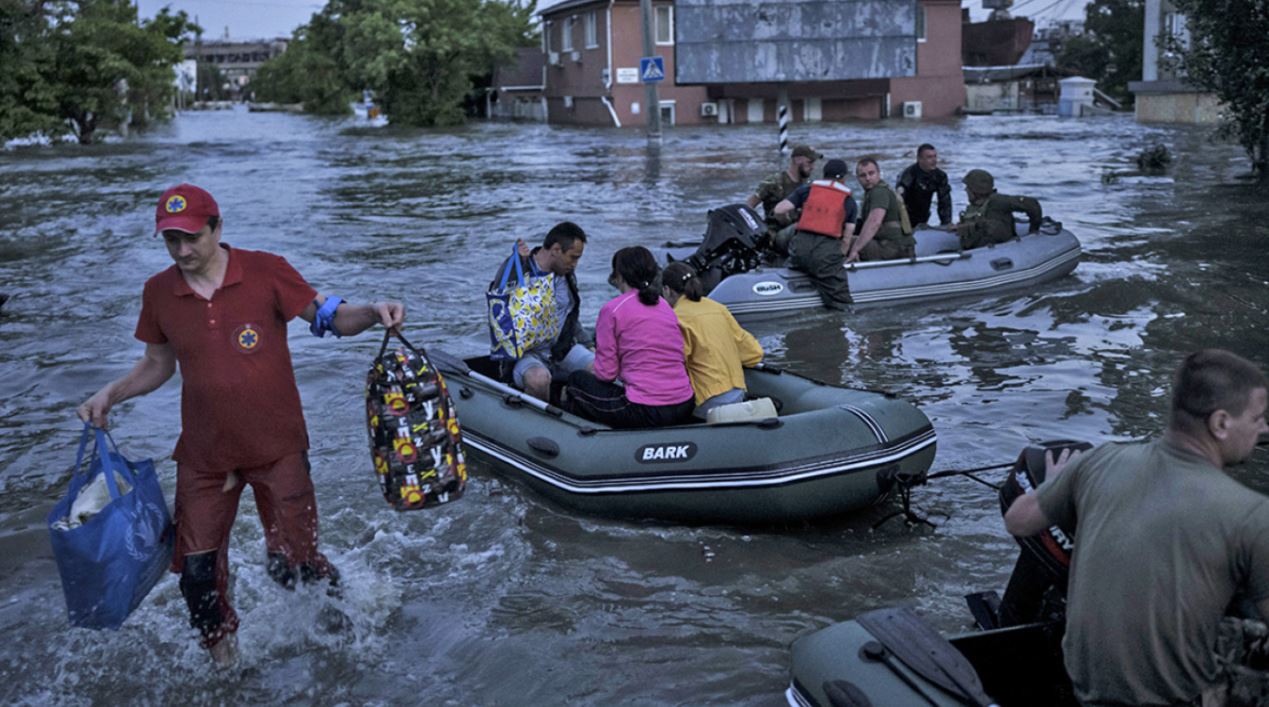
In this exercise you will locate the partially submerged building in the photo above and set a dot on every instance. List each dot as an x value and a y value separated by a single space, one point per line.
730 63
1162 94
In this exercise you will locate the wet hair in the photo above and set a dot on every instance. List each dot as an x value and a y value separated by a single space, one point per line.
867 160
681 278
924 146
564 233
636 266
1211 380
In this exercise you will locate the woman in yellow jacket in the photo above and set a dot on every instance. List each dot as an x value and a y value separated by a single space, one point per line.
715 346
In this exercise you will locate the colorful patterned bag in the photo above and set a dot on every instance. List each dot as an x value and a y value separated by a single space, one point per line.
522 314
415 440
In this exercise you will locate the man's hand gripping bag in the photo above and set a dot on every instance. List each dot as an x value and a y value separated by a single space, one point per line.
415 440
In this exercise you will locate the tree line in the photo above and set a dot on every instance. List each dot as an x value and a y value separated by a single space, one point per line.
421 58
83 66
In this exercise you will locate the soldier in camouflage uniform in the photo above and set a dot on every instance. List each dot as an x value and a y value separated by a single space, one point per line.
886 233
989 217
776 187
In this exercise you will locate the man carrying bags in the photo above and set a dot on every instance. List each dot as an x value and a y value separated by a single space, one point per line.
221 313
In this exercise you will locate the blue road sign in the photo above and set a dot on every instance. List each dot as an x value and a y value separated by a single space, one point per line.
651 69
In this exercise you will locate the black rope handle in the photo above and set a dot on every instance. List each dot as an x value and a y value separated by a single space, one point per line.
387 336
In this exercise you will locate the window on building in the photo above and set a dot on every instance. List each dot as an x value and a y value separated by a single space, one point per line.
566 35
920 23
546 36
592 32
665 24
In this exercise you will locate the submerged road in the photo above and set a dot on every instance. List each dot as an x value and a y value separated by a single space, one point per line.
502 598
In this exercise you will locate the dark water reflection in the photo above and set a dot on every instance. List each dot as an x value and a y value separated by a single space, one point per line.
502 598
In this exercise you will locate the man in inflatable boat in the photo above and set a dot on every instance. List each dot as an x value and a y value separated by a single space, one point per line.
776 188
1166 542
989 217
221 313
558 256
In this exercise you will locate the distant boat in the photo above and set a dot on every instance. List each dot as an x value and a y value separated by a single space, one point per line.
996 42
368 112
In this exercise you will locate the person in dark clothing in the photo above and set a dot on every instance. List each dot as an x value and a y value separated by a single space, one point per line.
989 217
919 183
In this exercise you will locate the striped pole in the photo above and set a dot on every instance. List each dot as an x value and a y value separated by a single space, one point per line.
782 117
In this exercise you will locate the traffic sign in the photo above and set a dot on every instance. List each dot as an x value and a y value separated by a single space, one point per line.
651 69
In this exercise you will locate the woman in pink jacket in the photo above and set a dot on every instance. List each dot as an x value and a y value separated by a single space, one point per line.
637 342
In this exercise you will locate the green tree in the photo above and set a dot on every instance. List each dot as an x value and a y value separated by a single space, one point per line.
109 69
1110 48
308 72
27 101
418 56
1227 53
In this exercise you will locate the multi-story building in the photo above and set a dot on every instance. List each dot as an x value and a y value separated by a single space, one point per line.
236 60
1162 94
593 48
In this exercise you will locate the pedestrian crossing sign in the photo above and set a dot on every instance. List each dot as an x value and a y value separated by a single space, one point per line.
651 69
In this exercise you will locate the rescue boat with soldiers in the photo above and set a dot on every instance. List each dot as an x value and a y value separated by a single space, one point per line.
798 449
748 268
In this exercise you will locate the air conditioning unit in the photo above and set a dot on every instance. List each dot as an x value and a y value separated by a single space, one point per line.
912 109
553 58
709 110
568 102
575 56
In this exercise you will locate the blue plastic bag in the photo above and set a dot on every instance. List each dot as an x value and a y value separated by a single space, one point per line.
110 562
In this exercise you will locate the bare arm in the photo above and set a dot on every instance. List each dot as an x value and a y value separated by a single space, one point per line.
155 367
784 207
353 319
871 225
1025 517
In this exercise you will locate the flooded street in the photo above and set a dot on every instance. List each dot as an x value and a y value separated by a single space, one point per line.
503 598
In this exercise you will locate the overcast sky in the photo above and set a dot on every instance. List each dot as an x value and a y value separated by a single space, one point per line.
257 19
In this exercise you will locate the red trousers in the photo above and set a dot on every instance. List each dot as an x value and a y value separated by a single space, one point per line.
205 515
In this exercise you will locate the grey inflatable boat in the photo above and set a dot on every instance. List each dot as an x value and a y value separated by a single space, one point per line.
738 275
830 450
891 657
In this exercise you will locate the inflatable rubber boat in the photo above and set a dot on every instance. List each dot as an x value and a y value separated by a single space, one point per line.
891 657
751 283
829 450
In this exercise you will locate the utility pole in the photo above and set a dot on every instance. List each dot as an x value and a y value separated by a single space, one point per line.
650 87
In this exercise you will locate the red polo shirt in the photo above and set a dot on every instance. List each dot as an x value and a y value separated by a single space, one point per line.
240 407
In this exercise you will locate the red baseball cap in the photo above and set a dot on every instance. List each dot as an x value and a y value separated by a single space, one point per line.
184 207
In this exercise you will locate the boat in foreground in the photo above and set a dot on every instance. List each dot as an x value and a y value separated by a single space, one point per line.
830 450
890 657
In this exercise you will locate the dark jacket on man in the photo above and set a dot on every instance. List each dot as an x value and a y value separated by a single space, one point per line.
918 187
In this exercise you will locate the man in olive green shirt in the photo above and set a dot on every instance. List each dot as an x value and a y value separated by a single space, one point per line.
989 217
778 186
886 233
1165 540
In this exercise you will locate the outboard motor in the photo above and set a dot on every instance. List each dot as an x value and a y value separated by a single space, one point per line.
1037 587
733 242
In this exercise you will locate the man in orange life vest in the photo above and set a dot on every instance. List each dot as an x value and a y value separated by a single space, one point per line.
819 246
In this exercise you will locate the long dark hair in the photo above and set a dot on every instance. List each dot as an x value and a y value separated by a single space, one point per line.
680 277
639 269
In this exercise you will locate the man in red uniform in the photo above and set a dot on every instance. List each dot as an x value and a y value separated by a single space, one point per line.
819 245
221 313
